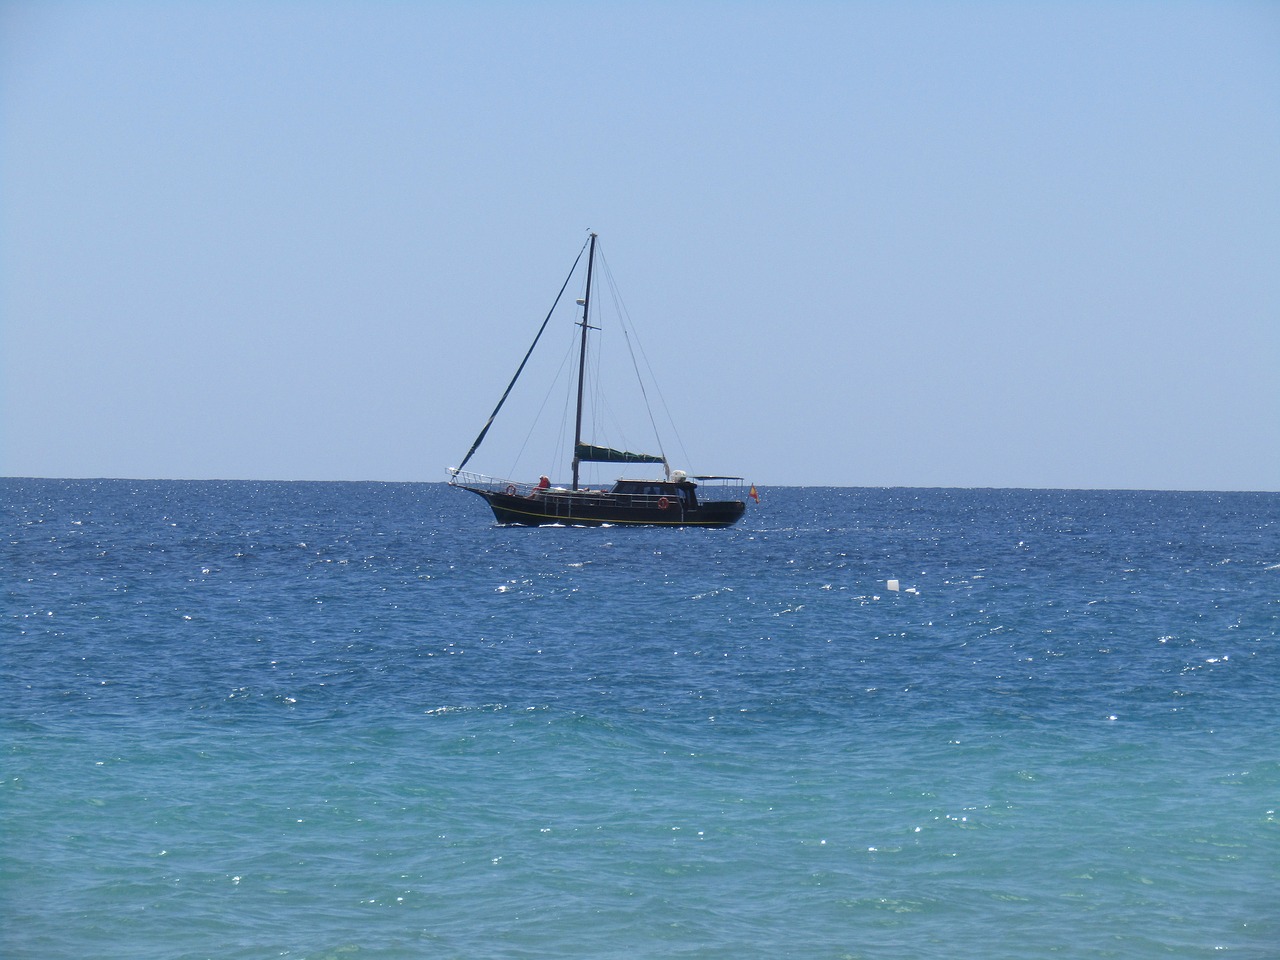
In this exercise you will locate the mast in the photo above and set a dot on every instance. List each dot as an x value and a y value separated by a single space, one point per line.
582 360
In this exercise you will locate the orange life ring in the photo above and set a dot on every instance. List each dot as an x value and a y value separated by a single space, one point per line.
511 489
663 503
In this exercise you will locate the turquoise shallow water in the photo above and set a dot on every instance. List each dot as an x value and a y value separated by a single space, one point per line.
358 720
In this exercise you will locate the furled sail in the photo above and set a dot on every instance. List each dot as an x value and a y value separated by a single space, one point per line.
593 454
506 393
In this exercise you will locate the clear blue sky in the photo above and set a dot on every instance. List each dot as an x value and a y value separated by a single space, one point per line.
921 244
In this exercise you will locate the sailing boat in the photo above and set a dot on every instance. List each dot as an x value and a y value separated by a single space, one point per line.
675 499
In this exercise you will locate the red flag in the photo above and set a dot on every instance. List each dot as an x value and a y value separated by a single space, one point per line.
752 494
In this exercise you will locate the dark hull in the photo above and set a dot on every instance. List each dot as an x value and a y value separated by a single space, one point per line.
597 509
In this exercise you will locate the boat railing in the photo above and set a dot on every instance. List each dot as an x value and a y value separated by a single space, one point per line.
721 488
496 484
515 488
709 489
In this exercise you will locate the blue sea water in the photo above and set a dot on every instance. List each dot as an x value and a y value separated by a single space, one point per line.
332 720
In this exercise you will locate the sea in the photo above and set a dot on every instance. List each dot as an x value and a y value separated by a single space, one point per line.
345 721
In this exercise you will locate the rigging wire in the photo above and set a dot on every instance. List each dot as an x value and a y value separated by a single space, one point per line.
600 410
608 428
556 382
627 328
506 393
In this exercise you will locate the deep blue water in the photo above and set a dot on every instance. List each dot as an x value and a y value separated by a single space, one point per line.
330 720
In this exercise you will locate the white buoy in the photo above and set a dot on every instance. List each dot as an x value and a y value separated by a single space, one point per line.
893 584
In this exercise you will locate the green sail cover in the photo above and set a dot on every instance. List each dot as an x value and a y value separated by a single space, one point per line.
594 454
